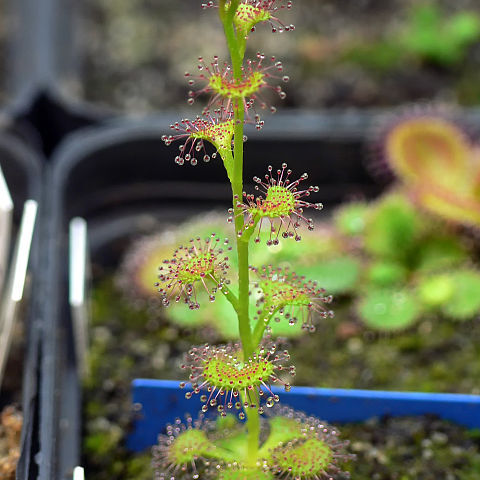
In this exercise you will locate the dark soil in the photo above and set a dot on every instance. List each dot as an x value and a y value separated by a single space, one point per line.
413 448
436 355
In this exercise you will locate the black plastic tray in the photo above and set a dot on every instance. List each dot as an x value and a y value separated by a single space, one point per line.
116 176
22 170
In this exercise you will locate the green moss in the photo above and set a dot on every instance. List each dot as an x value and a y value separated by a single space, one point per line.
432 34
140 468
101 444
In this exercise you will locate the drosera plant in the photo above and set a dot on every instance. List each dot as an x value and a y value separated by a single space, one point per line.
413 264
237 377
437 162
318 258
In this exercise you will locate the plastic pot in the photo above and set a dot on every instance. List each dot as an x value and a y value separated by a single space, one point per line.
158 402
22 170
122 179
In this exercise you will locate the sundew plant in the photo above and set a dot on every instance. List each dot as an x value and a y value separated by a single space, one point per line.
236 379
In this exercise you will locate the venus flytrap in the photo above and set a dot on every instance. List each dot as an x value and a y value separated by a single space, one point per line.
238 376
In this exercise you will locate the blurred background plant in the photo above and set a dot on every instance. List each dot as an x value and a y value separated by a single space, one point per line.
403 256
348 54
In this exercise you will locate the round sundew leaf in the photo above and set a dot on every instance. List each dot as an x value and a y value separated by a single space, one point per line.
282 430
247 16
389 309
386 273
224 374
465 302
428 149
303 459
461 207
336 275
138 271
392 227
437 290
188 445
148 269
350 219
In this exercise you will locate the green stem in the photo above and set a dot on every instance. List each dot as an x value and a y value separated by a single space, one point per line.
237 50
253 427
230 296
242 245
263 321
227 158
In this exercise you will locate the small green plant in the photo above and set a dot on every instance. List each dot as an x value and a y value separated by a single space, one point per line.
139 270
434 36
412 264
236 377
428 35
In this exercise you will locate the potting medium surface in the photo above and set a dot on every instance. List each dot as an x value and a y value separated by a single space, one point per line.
434 355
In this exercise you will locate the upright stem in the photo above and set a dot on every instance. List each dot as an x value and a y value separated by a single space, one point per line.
237 50
242 245
237 187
